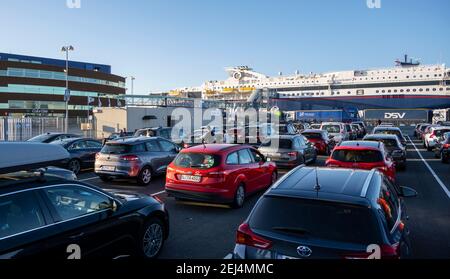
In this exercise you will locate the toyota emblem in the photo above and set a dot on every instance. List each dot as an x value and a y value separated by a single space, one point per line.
304 251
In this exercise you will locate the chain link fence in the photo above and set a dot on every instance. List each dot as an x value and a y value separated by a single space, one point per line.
22 129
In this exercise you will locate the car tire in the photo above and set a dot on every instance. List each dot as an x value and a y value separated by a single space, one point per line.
151 238
429 148
105 178
239 197
145 176
74 165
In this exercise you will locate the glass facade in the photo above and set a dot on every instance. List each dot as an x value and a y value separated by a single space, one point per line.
41 105
30 73
49 90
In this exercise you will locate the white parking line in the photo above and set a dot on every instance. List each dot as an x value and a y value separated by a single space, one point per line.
439 181
157 194
87 179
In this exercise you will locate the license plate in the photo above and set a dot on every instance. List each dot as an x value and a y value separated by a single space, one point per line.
191 178
108 168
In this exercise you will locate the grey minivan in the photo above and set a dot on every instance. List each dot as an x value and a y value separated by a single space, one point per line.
138 158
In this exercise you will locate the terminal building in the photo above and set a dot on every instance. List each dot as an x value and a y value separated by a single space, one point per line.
35 86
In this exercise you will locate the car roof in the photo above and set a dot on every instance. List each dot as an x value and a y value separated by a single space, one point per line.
213 148
441 128
314 131
360 145
387 128
337 184
131 140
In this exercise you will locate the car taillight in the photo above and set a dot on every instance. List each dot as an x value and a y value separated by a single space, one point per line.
446 146
383 168
386 252
129 158
97 156
185 145
432 136
158 199
293 154
246 236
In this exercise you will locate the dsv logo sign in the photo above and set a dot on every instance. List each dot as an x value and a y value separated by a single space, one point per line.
394 115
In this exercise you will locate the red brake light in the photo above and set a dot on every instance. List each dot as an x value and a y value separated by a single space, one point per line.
293 154
129 158
97 155
446 146
386 252
245 236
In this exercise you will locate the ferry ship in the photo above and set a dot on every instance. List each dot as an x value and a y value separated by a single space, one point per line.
408 85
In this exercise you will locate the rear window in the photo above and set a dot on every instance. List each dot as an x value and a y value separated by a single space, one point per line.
283 143
315 219
357 156
332 129
197 160
389 132
440 133
312 135
387 142
122 148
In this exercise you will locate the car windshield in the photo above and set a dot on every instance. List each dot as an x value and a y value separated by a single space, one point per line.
283 144
41 138
117 148
299 218
312 135
332 129
357 156
196 160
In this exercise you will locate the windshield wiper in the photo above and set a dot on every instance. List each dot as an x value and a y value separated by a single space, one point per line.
299 231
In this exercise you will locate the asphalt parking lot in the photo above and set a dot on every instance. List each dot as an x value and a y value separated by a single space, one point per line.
207 231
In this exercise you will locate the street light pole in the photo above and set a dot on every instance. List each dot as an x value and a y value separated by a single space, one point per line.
66 49
132 88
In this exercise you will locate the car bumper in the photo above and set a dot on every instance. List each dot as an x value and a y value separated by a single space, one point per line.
286 164
200 193
125 172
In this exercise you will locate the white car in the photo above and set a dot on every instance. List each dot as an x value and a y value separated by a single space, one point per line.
435 133
336 130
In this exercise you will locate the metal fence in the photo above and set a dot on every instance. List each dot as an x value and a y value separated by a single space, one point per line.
22 129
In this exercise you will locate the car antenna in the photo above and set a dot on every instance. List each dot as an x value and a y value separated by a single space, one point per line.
317 187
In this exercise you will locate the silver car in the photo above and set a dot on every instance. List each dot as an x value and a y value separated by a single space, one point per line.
137 158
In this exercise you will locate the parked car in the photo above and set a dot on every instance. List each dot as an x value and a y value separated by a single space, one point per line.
417 129
433 136
320 139
289 150
364 155
285 129
135 158
315 126
221 173
50 137
357 131
426 132
362 126
337 131
422 130
394 147
42 217
322 213
117 135
391 131
301 126
82 152
442 148
386 124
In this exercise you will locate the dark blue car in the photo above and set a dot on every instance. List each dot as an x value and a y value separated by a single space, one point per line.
323 213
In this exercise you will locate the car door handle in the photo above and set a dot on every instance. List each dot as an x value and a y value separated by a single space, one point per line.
77 236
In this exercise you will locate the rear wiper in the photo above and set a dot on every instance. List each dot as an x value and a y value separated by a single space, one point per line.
292 230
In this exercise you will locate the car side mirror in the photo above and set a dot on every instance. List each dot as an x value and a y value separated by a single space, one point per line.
408 192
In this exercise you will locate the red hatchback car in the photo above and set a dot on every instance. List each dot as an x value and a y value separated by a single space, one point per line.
223 173
320 139
364 155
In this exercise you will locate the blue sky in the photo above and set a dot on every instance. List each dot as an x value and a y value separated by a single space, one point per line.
173 43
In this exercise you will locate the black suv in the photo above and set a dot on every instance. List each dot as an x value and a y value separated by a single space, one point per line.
49 217
327 213
395 148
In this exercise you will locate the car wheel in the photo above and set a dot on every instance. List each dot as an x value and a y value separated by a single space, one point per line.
274 178
429 148
151 239
105 178
74 165
239 197
145 176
